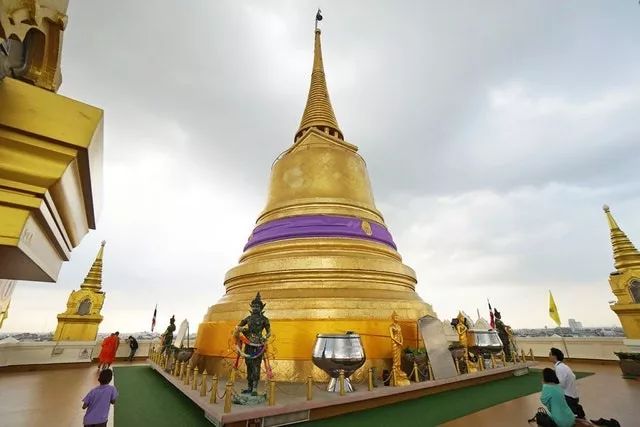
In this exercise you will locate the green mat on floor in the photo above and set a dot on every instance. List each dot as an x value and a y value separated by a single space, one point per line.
146 398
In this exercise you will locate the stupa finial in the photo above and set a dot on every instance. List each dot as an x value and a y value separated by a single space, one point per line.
94 277
318 112
625 255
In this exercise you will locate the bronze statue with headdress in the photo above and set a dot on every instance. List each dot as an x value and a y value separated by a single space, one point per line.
250 333
167 336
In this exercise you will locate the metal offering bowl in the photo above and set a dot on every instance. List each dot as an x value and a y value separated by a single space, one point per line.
484 341
335 352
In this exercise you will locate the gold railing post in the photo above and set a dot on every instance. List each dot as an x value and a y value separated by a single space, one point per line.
181 372
531 355
194 383
272 392
431 377
416 375
232 376
370 379
481 362
493 360
214 390
227 397
504 359
203 387
457 365
187 377
524 355
309 388
341 382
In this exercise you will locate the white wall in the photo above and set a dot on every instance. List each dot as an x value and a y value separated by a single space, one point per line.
47 352
598 348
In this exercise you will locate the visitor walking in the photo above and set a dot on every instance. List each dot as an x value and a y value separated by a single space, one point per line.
133 345
567 381
108 351
99 400
552 397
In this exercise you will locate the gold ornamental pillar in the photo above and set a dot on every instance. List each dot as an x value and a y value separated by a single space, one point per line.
50 146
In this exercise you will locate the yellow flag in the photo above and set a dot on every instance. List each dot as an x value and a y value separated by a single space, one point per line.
553 310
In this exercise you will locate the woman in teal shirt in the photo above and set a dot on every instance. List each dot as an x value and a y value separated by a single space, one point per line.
553 398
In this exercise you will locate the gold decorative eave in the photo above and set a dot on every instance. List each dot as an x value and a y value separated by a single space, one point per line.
50 178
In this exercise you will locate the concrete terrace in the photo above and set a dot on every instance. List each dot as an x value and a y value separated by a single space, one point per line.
52 397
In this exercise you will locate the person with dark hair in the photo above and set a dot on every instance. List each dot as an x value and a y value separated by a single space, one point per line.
133 345
567 381
99 400
552 397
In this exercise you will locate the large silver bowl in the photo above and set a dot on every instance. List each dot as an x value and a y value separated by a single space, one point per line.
484 341
335 352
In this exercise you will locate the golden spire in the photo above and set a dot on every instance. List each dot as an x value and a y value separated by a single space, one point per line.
94 277
318 113
625 255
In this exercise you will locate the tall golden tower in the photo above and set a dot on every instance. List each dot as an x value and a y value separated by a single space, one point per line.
320 255
625 281
81 320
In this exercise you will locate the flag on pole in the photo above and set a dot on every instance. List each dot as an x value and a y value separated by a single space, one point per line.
319 15
492 319
153 321
553 310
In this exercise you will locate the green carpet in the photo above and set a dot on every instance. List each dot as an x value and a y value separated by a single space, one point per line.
442 407
146 398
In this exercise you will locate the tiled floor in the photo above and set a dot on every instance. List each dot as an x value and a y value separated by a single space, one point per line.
603 395
49 398
53 398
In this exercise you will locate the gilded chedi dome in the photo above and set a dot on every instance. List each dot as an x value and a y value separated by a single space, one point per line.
320 255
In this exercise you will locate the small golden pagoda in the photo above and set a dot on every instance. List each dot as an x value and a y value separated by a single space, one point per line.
81 320
625 281
320 255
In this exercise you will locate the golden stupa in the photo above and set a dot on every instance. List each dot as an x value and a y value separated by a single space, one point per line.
625 280
82 318
320 255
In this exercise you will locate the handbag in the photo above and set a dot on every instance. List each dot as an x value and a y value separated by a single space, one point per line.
542 418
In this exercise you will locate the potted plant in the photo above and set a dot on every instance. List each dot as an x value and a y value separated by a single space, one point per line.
417 355
629 364
457 352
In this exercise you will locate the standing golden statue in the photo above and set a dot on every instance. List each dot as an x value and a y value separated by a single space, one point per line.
462 327
398 377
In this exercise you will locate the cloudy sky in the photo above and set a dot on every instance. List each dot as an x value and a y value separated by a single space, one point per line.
493 132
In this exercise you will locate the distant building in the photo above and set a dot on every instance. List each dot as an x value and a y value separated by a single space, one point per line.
574 325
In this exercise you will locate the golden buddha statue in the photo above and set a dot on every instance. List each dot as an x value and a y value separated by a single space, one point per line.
320 253
462 328
399 378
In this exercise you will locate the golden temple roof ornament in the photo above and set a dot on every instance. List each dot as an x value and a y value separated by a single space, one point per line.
318 112
625 254
31 41
94 277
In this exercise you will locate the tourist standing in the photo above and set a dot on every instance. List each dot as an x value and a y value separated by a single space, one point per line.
133 345
99 400
567 381
108 352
